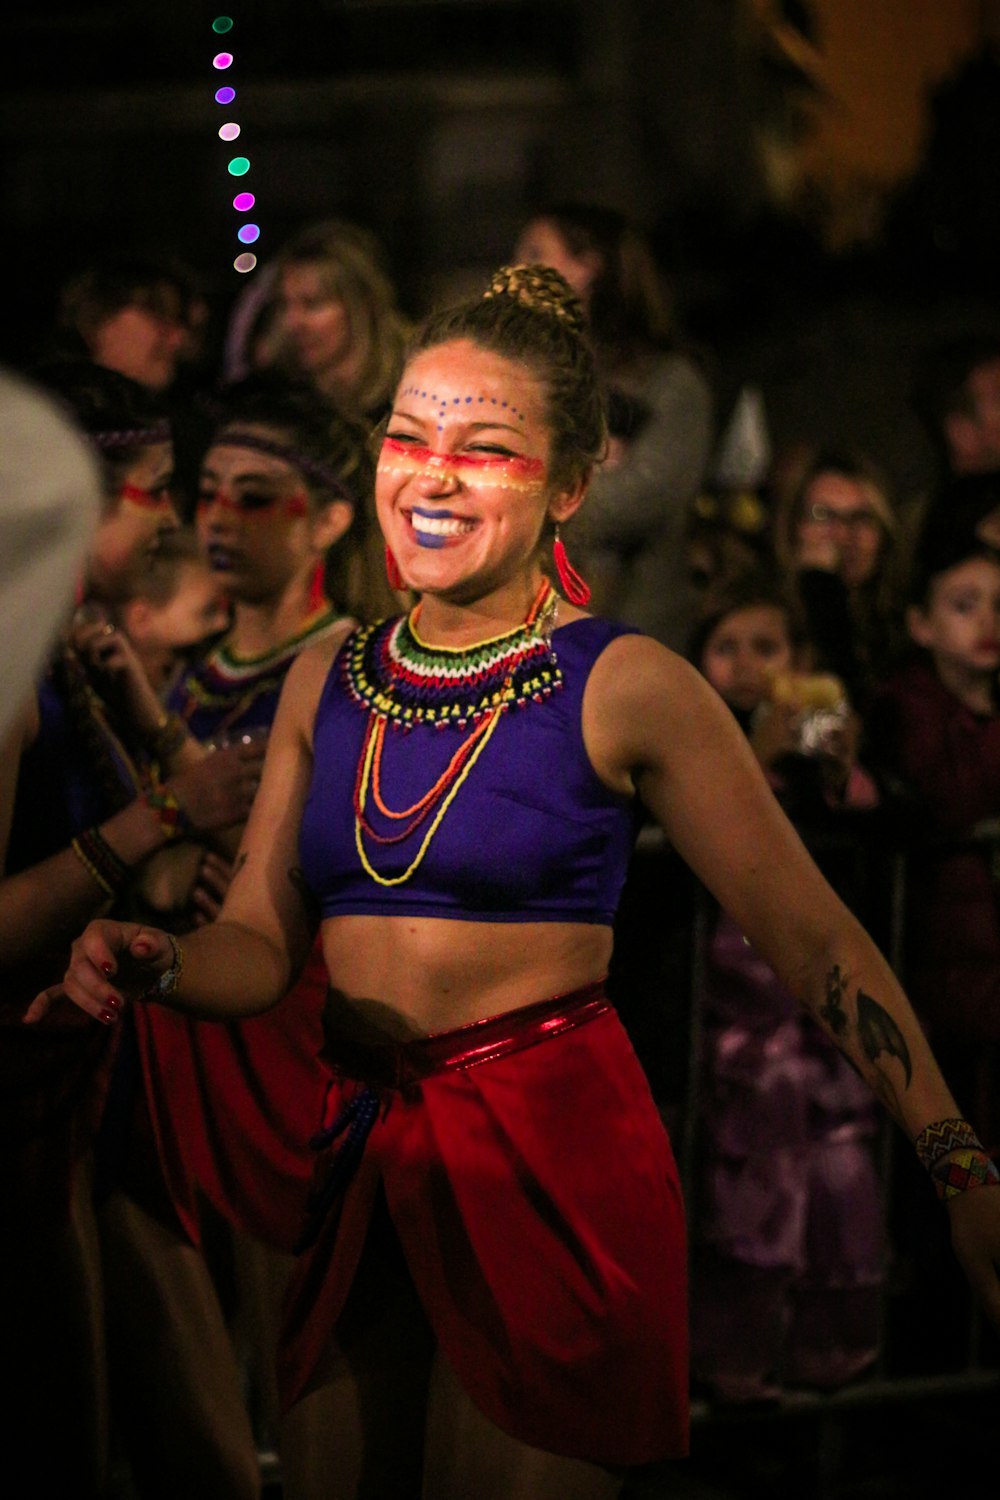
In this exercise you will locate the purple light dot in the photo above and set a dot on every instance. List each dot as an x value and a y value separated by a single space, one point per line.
225 95
222 60
247 233
243 202
229 131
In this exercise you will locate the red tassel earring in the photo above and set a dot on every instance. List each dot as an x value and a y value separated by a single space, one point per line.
317 588
393 574
573 586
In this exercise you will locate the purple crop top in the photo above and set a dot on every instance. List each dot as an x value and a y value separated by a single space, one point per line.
532 835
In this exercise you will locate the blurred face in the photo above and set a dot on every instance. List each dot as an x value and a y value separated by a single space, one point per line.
139 515
960 625
255 520
315 323
743 651
196 611
145 343
840 511
541 243
462 488
974 437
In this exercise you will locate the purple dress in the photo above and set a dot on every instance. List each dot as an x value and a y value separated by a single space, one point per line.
788 1224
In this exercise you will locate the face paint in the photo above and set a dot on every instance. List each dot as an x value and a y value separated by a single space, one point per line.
295 506
134 494
503 471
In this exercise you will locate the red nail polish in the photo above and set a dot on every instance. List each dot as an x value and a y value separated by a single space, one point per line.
108 969
106 1017
112 1001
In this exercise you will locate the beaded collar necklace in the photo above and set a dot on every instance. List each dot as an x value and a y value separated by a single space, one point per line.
403 681
400 678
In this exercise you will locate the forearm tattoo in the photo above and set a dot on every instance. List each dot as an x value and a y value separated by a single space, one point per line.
876 1033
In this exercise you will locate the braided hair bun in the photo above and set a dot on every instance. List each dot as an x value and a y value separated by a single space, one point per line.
542 289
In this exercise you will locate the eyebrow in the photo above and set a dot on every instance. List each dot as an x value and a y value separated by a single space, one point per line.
252 476
491 426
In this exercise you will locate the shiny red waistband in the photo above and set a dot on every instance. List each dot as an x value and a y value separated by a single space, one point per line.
397 1064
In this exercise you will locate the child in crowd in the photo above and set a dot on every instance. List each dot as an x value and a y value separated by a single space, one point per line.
787 1207
172 605
936 737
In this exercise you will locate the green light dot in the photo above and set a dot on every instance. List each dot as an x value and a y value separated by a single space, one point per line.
222 24
239 166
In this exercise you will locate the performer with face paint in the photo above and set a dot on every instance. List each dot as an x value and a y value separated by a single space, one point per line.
491 1297
96 780
282 519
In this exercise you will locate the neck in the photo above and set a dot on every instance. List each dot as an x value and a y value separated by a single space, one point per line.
445 622
264 625
974 689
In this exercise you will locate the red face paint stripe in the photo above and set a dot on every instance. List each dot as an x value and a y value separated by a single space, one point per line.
136 495
530 468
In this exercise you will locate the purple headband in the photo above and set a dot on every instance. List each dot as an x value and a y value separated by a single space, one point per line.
313 468
132 437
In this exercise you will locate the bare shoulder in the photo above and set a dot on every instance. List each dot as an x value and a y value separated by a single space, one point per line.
307 675
645 706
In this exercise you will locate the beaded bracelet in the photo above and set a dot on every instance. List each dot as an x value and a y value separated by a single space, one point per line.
172 817
166 985
941 1138
168 737
966 1169
100 860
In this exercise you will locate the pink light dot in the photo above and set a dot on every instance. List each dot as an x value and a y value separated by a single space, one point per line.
222 60
243 202
229 132
245 262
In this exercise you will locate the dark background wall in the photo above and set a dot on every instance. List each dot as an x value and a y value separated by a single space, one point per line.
818 176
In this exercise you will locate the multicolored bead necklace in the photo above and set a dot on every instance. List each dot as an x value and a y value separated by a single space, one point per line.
402 681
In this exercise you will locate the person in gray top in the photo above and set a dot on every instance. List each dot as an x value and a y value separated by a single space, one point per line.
661 419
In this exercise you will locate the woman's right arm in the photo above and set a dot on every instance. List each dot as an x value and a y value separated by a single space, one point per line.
242 963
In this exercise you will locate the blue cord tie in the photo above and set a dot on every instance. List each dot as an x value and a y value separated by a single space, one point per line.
357 1119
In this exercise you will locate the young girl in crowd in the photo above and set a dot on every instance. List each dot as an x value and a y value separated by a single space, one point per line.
491 1298
787 1252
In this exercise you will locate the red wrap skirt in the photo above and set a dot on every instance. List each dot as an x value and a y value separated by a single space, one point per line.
535 1195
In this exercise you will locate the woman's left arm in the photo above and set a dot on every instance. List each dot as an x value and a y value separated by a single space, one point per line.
652 723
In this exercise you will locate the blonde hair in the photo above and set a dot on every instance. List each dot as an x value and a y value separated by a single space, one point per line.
351 262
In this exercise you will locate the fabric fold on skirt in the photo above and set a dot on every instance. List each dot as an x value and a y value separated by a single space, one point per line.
534 1192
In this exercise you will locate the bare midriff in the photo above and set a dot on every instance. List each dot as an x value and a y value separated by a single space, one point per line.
414 976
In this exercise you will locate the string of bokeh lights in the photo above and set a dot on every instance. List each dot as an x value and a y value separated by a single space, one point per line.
248 233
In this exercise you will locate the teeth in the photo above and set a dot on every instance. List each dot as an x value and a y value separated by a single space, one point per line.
441 526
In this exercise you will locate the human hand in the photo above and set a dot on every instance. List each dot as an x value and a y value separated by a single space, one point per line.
218 792
210 887
132 956
108 653
975 1238
774 732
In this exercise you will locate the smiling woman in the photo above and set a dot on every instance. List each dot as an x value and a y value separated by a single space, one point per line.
493 1262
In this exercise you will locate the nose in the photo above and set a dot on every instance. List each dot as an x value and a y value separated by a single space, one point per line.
438 476
216 510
